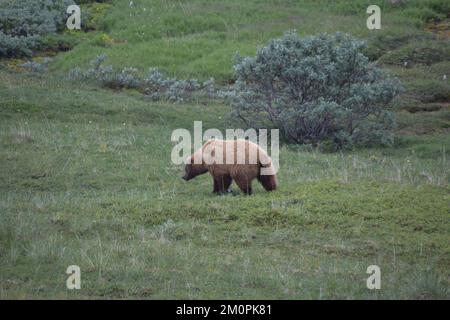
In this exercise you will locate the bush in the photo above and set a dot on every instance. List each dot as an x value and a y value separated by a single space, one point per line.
17 46
24 23
98 72
155 85
128 78
318 89
35 66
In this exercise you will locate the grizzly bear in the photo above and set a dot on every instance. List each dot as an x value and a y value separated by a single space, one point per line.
228 160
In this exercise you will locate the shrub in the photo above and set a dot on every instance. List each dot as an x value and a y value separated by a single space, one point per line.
318 89
128 78
210 87
35 66
23 23
182 89
17 46
155 85
98 72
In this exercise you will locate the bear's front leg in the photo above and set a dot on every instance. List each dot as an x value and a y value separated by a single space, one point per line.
222 184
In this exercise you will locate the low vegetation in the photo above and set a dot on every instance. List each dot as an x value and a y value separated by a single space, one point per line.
86 177
155 85
24 24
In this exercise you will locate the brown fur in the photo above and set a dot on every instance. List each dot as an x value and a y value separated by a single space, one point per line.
224 173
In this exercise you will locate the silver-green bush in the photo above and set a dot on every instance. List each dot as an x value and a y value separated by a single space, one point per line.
23 23
316 90
155 85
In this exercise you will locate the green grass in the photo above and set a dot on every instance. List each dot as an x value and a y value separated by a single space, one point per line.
199 38
86 176
86 179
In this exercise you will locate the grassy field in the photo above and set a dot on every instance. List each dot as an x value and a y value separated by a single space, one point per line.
86 177
200 38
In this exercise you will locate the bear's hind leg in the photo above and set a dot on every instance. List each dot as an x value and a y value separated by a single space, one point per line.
227 183
245 185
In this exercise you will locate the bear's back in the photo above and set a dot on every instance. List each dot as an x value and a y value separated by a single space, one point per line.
234 152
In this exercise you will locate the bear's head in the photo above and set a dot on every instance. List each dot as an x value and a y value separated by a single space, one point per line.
193 169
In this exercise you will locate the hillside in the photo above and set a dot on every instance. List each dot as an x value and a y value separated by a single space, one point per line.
86 177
